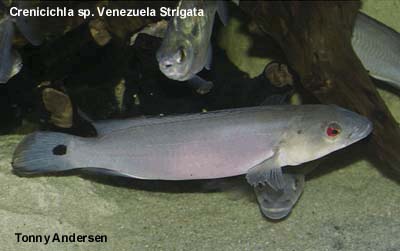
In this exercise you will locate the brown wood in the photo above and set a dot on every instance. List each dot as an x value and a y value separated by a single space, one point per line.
315 37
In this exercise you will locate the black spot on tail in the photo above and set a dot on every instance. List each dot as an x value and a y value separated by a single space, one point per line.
60 150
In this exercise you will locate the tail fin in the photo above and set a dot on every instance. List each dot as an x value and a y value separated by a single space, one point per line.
42 152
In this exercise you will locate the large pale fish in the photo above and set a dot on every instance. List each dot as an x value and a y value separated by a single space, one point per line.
378 48
186 47
256 140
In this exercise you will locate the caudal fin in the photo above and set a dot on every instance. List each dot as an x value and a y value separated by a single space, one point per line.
42 152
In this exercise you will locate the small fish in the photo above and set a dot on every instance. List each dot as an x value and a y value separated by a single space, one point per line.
186 47
378 48
256 140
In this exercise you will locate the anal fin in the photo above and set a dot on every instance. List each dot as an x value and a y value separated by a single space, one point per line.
201 85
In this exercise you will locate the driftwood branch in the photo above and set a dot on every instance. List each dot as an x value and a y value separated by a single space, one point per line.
315 37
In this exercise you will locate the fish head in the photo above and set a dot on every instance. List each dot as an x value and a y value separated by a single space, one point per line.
277 204
184 50
322 131
176 55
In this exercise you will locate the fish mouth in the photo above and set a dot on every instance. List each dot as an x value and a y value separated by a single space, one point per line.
363 131
172 73
173 67
276 213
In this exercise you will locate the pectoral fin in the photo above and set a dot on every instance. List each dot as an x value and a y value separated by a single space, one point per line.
269 171
201 85
278 204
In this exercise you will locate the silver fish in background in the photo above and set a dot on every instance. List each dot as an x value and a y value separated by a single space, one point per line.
256 141
186 47
10 60
378 48
30 26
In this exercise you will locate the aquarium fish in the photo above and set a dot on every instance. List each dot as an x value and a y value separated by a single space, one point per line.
30 26
186 47
256 141
378 48
10 60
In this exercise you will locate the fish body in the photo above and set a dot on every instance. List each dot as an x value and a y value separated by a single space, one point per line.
378 48
199 146
186 48
255 141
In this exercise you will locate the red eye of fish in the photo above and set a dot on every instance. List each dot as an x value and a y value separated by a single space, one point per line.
333 130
